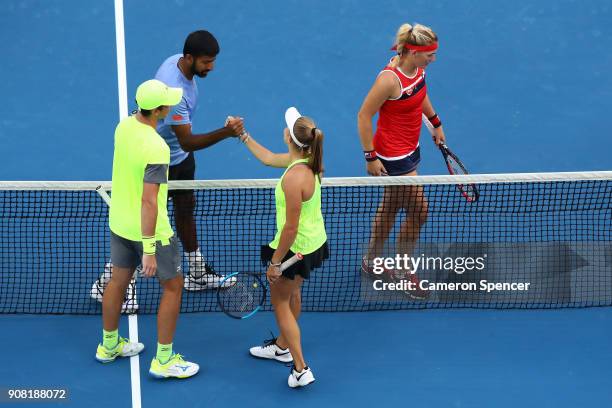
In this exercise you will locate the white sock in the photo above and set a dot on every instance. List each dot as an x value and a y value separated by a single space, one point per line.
194 256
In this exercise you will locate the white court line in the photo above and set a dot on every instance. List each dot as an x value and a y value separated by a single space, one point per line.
123 113
121 74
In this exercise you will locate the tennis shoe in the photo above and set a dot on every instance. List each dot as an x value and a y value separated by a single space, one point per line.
203 277
368 269
175 367
271 351
124 348
398 276
300 379
97 289
130 303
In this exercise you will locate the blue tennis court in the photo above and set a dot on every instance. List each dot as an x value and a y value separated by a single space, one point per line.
521 88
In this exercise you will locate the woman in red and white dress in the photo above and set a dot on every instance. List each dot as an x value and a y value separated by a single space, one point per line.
399 96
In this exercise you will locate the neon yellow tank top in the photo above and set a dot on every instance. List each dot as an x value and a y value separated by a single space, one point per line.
311 233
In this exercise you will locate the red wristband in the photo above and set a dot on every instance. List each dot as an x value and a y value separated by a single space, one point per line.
435 121
370 155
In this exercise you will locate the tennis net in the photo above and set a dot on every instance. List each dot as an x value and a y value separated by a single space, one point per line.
529 241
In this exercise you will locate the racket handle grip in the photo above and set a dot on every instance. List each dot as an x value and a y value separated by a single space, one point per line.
289 262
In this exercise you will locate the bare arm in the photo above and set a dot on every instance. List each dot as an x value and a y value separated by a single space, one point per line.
148 221
190 142
266 156
386 86
148 216
428 110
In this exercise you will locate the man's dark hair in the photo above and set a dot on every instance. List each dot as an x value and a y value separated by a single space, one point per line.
201 43
144 112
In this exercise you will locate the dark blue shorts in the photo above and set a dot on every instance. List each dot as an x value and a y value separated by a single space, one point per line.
402 166
185 170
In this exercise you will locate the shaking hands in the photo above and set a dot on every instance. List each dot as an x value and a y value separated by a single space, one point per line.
235 124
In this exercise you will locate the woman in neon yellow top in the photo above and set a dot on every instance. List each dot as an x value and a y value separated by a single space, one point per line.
300 228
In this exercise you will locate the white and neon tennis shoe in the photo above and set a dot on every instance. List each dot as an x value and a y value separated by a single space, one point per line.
176 367
124 348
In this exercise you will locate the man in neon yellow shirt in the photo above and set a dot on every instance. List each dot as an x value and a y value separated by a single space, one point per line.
141 231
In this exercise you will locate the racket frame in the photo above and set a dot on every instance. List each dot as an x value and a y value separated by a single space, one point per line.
289 262
447 153
222 287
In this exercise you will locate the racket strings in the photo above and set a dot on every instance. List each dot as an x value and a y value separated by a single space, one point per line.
243 296
455 167
469 191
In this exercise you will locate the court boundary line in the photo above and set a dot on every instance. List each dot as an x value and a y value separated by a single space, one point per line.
123 113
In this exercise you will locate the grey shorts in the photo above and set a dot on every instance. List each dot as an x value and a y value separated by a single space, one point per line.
128 254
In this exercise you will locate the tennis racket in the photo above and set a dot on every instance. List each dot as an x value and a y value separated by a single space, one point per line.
455 167
245 293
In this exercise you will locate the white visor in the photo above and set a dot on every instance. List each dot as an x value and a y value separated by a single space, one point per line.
291 116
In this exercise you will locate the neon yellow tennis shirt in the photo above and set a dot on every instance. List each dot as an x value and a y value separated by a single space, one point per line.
136 146
311 233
